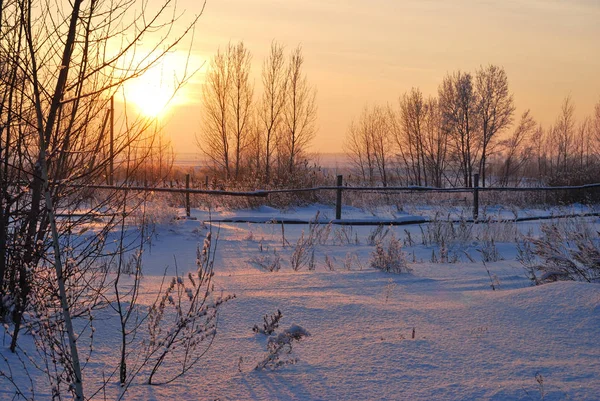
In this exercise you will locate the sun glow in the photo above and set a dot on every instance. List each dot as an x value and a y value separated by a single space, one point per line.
164 86
150 94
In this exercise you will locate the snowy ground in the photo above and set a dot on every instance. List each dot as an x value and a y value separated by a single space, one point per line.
517 342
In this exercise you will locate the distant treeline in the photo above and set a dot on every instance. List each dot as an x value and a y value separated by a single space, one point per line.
470 128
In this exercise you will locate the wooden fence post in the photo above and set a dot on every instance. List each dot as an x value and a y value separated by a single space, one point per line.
338 201
111 146
187 195
476 198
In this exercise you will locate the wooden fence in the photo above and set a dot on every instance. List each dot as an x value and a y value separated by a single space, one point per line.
339 188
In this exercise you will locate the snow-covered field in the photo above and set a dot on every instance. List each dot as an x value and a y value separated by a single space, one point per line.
440 332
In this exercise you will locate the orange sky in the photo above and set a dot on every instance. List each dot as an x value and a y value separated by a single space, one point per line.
360 52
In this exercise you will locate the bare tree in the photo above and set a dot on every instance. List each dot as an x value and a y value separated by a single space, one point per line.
435 143
227 110
299 115
496 107
369 145
382 144
272 103
460 115
595 128
215 141
58 75
359 148
518 149
240 101
583 145
563 135
407 126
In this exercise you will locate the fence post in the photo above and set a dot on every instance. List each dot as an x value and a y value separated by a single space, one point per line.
476 198
111 148
338 201
187 195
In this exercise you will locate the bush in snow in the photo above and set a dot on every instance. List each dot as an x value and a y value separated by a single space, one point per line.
279 348
390 260
565 255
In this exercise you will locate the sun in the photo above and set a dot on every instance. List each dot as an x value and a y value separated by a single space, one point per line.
149 95
163 85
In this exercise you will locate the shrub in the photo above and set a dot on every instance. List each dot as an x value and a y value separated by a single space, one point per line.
391 260
565 255
280 345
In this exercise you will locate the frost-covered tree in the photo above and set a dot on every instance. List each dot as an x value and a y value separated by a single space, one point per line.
460 113
299 115
61 63
496 108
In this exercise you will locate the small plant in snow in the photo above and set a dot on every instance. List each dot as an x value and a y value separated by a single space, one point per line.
389 289
301 256
443 252
468 255
280 347
249 236
540 387
489 251
350 260
319 232
343 235
329 263
270 261
526 256
270 323
311 262
180 339
434 258
390 260
377 235
494 282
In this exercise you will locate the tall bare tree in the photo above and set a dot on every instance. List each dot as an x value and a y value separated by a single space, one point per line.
369 145
215 140
359 148
61 62
518 150
408 126
496 109
240 101
272 104
435 143
299 114
382 143
460 112
563 135
227 110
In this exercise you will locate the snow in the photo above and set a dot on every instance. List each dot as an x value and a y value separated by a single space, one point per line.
470 342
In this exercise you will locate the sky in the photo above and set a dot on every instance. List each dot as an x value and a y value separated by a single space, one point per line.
361 53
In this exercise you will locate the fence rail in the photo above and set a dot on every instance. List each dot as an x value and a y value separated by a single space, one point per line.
339 188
